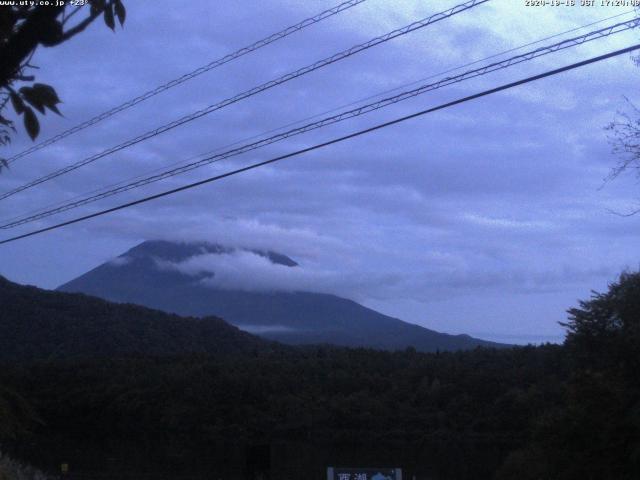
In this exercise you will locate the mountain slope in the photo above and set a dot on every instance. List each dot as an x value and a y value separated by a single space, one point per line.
138 276
37 324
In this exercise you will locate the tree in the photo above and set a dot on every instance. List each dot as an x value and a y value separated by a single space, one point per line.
16 415
604 332
594 433
601 425
23 28
625 142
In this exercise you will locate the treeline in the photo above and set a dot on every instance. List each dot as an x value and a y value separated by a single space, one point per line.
472 408
37 324
549 412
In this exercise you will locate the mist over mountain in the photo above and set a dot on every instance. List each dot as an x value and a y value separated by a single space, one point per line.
263 292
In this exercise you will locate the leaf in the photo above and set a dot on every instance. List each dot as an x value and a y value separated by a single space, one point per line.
6 122
41 96
47 93
96 6
33 97
31 123
47 96
16 101
50 32
54 109
108 17
121 12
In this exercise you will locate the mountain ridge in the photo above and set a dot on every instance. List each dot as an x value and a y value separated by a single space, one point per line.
292 317
37 324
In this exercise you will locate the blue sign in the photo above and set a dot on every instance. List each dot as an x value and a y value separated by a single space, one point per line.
336 473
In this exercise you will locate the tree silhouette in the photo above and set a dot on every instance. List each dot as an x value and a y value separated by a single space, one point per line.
23 28
625 142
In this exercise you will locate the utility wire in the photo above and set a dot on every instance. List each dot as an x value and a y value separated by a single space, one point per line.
590 36
356 112
265 86
188 76
305 119
484 93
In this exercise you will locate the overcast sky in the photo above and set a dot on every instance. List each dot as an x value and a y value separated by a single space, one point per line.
490 218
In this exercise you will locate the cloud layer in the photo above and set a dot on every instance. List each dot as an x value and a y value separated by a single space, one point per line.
487 217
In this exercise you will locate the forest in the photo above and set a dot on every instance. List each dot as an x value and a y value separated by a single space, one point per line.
568 411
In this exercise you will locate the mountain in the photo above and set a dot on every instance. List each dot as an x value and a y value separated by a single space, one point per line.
149 275
39 324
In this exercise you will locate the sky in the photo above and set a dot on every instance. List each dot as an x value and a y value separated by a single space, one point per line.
490 218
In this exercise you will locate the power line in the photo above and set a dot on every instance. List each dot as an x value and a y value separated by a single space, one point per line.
265 86
337 118
571 42
47 208
475 62
330 142
188 76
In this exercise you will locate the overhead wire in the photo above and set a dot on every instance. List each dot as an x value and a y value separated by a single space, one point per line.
311 117
188 76
358 133
385 102
253 91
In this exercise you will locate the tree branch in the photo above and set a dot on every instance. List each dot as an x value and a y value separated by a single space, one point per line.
79 27
20 45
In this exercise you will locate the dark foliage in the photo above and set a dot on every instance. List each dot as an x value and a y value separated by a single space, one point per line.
531 413
458 415
38 324
597 433
23 28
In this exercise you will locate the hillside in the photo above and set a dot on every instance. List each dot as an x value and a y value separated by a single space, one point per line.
292 412
36 324
485 414
293 317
